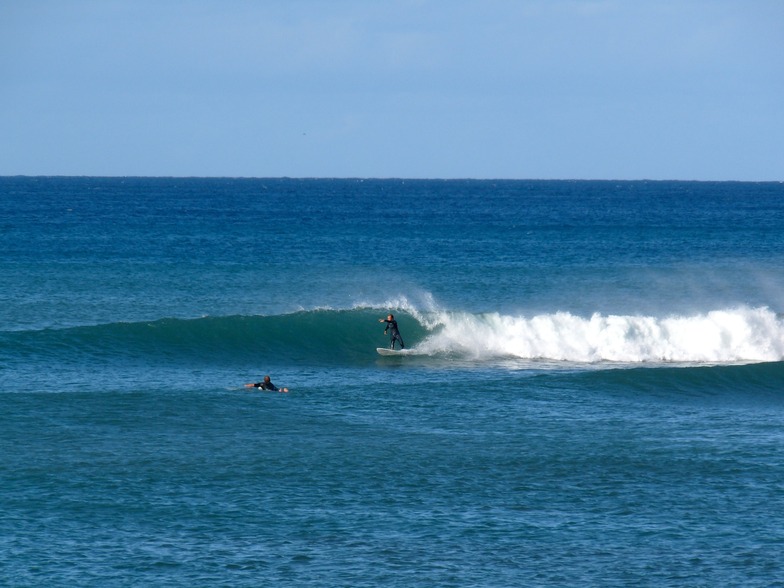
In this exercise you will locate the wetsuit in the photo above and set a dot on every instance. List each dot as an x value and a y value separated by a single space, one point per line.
266 386
394 334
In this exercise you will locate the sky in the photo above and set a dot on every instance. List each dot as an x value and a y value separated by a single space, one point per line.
519 89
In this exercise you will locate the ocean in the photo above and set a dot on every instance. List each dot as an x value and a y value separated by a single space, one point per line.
592 392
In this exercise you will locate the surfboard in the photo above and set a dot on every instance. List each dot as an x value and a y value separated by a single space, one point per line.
388 351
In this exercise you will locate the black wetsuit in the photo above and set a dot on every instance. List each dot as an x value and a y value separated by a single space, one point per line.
266 386
394 334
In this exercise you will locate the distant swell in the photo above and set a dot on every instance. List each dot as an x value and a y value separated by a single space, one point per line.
349 337
698 380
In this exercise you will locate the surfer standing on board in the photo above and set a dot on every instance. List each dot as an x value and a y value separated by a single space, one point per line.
394 333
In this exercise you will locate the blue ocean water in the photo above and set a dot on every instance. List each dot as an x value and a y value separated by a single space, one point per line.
593 392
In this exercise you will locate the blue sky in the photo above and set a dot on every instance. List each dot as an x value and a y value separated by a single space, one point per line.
562 89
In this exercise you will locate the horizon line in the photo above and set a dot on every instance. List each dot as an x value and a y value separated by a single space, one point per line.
380 178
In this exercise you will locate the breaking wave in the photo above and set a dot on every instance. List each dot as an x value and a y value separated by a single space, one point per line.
327 336
719 336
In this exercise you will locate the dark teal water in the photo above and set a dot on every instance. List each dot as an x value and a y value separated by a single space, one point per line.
593 395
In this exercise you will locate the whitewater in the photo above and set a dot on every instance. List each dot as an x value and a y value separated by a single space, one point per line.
720 336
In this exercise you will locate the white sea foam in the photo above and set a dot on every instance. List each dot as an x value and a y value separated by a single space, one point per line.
718 336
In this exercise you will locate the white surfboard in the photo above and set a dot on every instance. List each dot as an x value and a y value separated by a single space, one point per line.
388 351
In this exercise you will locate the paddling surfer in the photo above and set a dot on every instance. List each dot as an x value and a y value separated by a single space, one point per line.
394 333
266 384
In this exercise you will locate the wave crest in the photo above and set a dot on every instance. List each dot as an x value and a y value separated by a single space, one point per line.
719 336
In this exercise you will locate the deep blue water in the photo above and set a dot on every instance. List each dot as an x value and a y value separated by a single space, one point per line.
593 392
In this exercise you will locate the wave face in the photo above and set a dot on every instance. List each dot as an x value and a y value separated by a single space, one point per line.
298 337
349 337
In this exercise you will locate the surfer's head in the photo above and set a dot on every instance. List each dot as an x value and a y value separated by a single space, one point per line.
266 378
390 317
